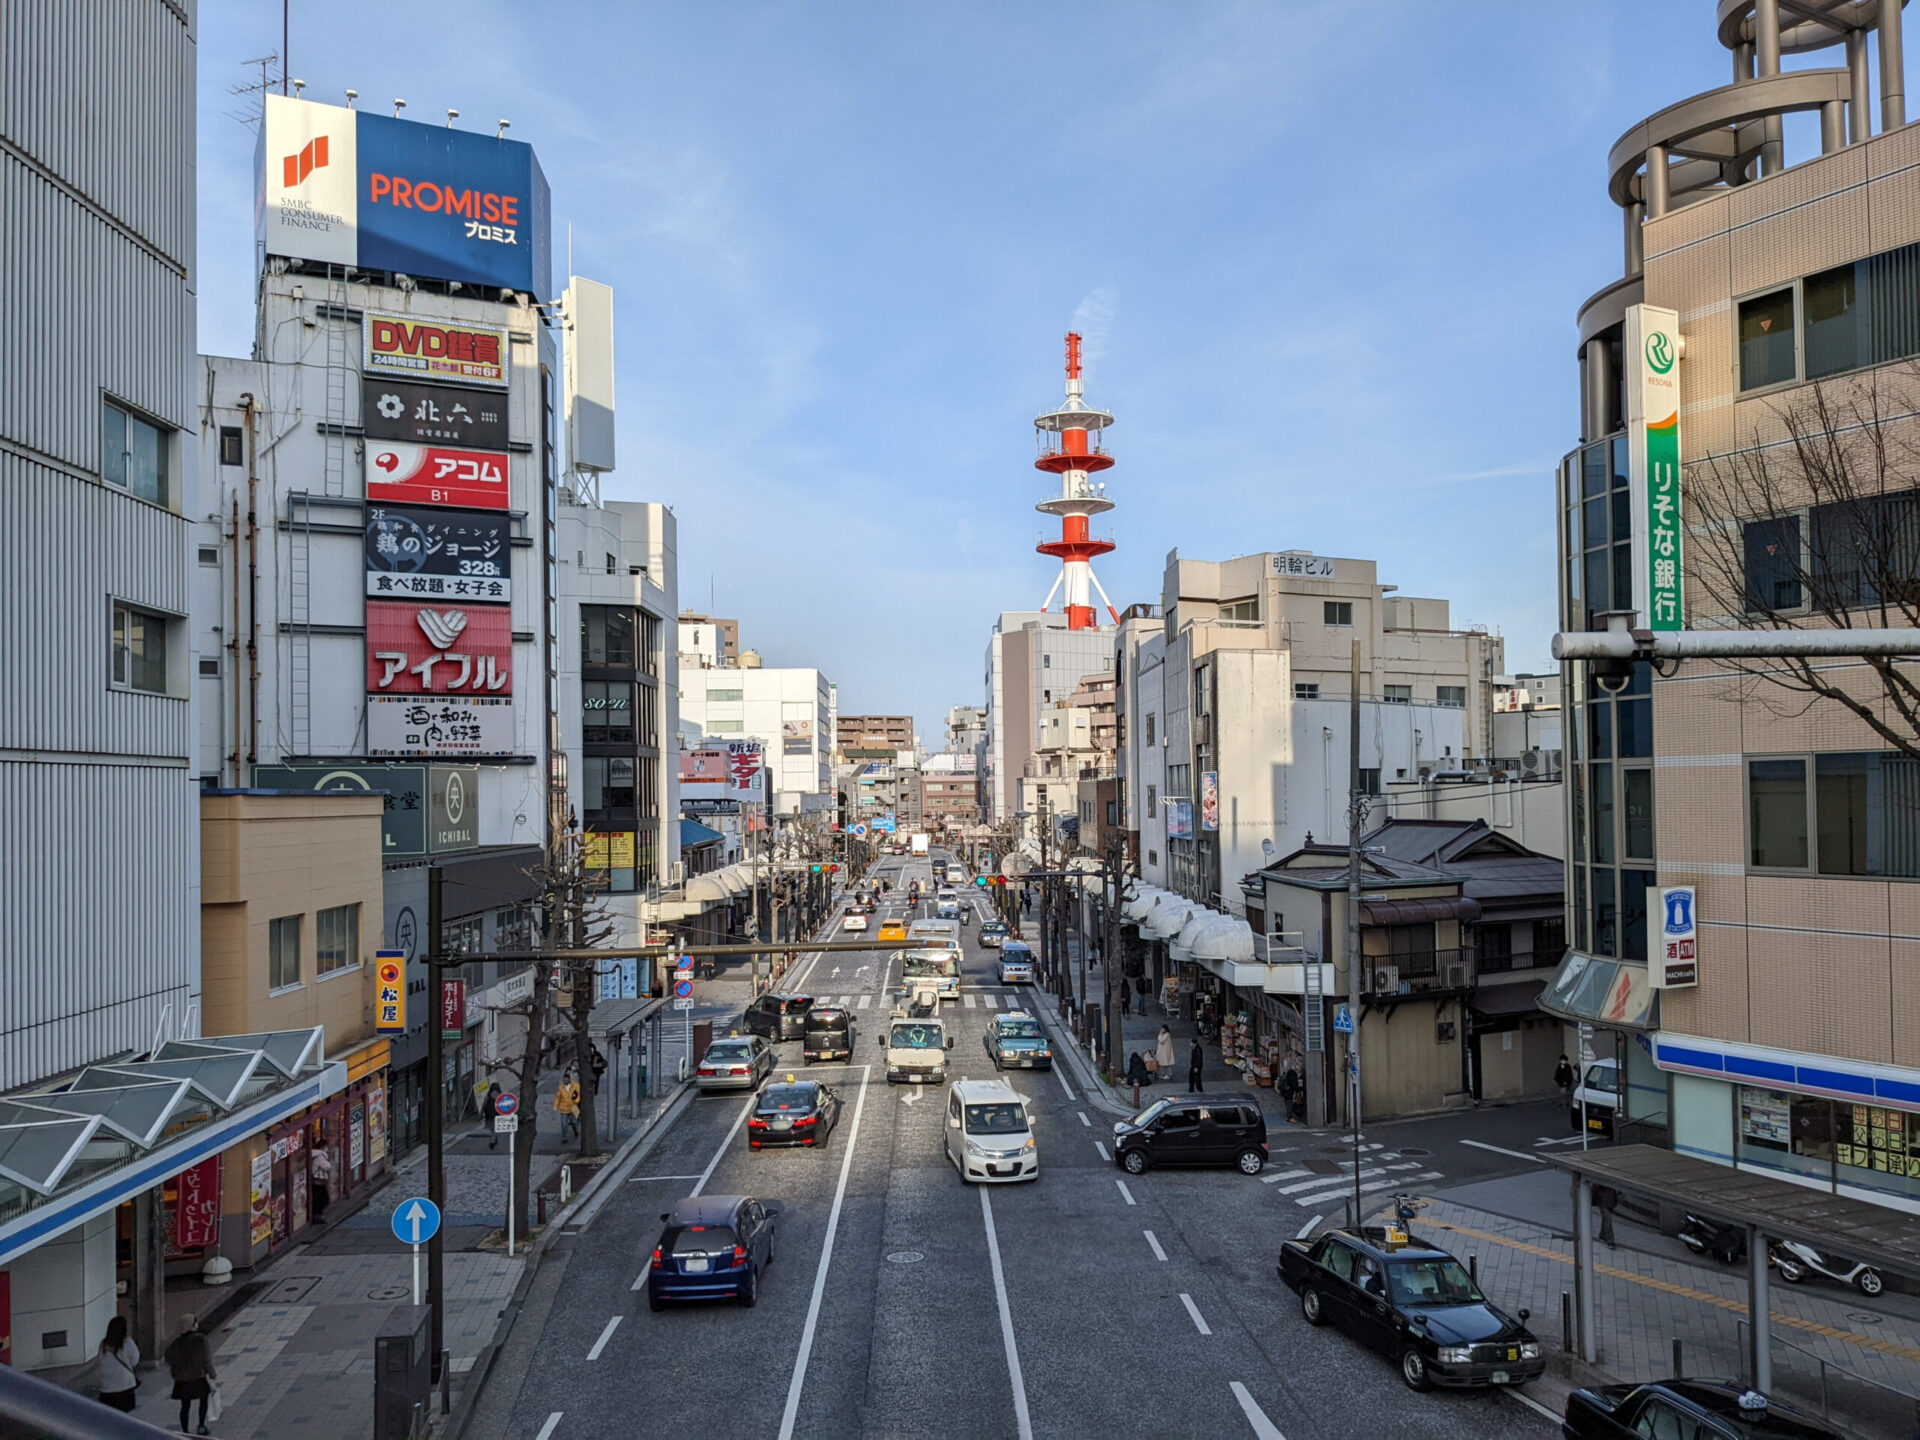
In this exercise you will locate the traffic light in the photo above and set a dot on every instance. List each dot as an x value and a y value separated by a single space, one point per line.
980 880
816 869
833 869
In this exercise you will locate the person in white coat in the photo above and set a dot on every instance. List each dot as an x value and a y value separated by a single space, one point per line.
115 1366
1163 1055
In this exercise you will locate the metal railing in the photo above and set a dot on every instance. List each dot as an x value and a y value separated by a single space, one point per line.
1828 1370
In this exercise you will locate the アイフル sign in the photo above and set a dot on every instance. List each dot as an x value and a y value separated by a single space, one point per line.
438 650
1653 443
426 553
419 414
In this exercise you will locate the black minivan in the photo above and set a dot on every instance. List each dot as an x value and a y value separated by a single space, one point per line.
829 1034
779 1016
1193 1130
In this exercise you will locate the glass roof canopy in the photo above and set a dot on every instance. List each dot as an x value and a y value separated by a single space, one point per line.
53 1143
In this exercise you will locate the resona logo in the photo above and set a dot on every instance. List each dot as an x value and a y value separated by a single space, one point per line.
1659 352
312 157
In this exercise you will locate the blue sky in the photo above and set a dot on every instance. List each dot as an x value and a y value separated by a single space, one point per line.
1327 259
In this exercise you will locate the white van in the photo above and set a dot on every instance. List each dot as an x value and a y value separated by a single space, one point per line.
932 966
990 1133
930 933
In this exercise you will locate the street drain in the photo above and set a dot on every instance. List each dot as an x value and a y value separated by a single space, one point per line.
389 1292
1860 1317
905 1257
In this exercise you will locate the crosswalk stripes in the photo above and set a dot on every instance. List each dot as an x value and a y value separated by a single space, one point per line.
967 1000
1312 1190
863 1002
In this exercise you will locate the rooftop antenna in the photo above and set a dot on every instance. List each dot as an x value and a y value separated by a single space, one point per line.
352 95
298 86
263 87
452 115
502 124
286 40
398 106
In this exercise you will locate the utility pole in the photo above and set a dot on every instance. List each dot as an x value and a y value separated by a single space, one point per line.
436 1122
1354 810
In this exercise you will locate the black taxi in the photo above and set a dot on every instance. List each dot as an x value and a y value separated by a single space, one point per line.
1413 1302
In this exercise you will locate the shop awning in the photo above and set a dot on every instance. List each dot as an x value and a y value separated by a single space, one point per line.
621 1017
1420 912
709 888
1519 998
115 1131
1602 992
1169 917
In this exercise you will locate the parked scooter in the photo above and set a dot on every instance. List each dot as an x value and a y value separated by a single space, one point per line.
1725 1243
1797 1261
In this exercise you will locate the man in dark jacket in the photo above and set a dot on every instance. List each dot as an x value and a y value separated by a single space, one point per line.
190 1359
489 1108
1563 1077
1195 1062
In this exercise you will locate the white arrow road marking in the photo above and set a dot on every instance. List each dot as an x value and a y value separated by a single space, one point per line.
605 1335
1158 1253
1263 1428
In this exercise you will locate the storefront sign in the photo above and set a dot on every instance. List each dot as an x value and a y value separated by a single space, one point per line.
401 346
453 812
390 992
403 829
357 1138
1310 566
1179 819
420 552
1676 963
432 414
609 850
1653 431
426 725
717 807
195 1207
376 1124
415 649
744 762
453 1010
261 1200
435 475
1209 800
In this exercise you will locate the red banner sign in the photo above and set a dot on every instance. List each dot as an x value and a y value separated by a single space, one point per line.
453 1008
415 649
196 1207
435 475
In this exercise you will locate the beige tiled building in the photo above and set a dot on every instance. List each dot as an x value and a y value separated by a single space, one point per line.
1794 279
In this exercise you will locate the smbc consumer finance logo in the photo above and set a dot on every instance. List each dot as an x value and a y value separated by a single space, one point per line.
1659 352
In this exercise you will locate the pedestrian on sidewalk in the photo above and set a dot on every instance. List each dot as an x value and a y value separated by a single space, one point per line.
1126 995
1605 1198
489 1108
190 1360
1195 1062
566 1103
1163 1054
114 1369
1140 996
320 1173
1136 1075
1563 1077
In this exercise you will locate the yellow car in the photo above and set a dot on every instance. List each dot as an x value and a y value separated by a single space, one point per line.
893 930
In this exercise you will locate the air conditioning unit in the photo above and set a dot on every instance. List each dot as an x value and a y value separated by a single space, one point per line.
1386 980
677 873
1456 977
1540 764
1426 773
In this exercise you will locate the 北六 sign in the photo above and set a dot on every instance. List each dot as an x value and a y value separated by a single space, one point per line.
402 346
1676 960
1653 445
450 726
419 414
436 475
425 553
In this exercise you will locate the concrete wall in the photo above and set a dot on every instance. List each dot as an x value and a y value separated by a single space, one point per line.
64 1290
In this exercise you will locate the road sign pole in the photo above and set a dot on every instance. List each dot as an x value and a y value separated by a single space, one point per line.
513 1139
416 1275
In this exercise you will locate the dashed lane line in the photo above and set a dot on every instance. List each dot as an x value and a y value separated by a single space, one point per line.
1531 1403
1083 1118
1103 1152
1154 1244
1263 1428
553 1423
605 1335
1126 1194
1194 1311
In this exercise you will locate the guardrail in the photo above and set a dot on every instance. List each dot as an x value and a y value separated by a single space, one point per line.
1830 1368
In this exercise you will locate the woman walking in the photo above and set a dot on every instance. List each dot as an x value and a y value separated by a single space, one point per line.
190 1359
117 1360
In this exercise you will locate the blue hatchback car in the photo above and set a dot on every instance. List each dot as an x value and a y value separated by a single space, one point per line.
713 1248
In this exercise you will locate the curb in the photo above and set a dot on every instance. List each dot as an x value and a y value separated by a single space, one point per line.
1094 1088
476 1380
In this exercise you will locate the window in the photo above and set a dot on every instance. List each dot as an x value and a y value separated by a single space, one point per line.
1153 802
1496 947
230 446
606 782
462 937
613 564
1767 340
139 650
726 727
1369 781
725 697
1306 690
133 454
1549 941
1452 696
336 939
283 952
209 554
513 928
1602 791
1149 728
1397 694
1046 662
1636 805
1867 809
1245 611
1777 813
606 711
1337 612
210 666
606 636
1865 313
1411 948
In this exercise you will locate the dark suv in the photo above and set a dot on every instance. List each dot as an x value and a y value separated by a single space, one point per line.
779 1016
1193 1130
829 1034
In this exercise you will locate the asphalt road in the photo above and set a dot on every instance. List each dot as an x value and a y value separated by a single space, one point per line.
904 1303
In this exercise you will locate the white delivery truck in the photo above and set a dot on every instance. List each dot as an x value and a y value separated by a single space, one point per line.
917 1041
921 844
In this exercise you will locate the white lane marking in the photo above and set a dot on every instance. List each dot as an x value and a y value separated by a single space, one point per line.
967 1000
1499 1150
1072 1099
1265 1429
1531 1403
1367 1172
826 1256
636 1179
1126 1194
1083 1119
547 1429
1158 1253
863 1002
1006 1322
605 1335
1279 1175
1307 1229
1345 1187
732 1130
1103 1152
1194 1311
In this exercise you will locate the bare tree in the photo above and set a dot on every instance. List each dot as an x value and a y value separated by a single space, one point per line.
1818 527
578 919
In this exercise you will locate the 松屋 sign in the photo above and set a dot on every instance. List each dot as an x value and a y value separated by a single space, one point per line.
390 993
1676 962
1653 442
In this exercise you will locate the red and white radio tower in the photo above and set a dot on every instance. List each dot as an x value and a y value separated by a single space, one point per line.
1069 440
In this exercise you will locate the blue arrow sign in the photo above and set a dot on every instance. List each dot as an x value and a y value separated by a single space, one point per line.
416 1220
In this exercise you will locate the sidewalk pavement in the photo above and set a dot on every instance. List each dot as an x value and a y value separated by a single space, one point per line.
282 1356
